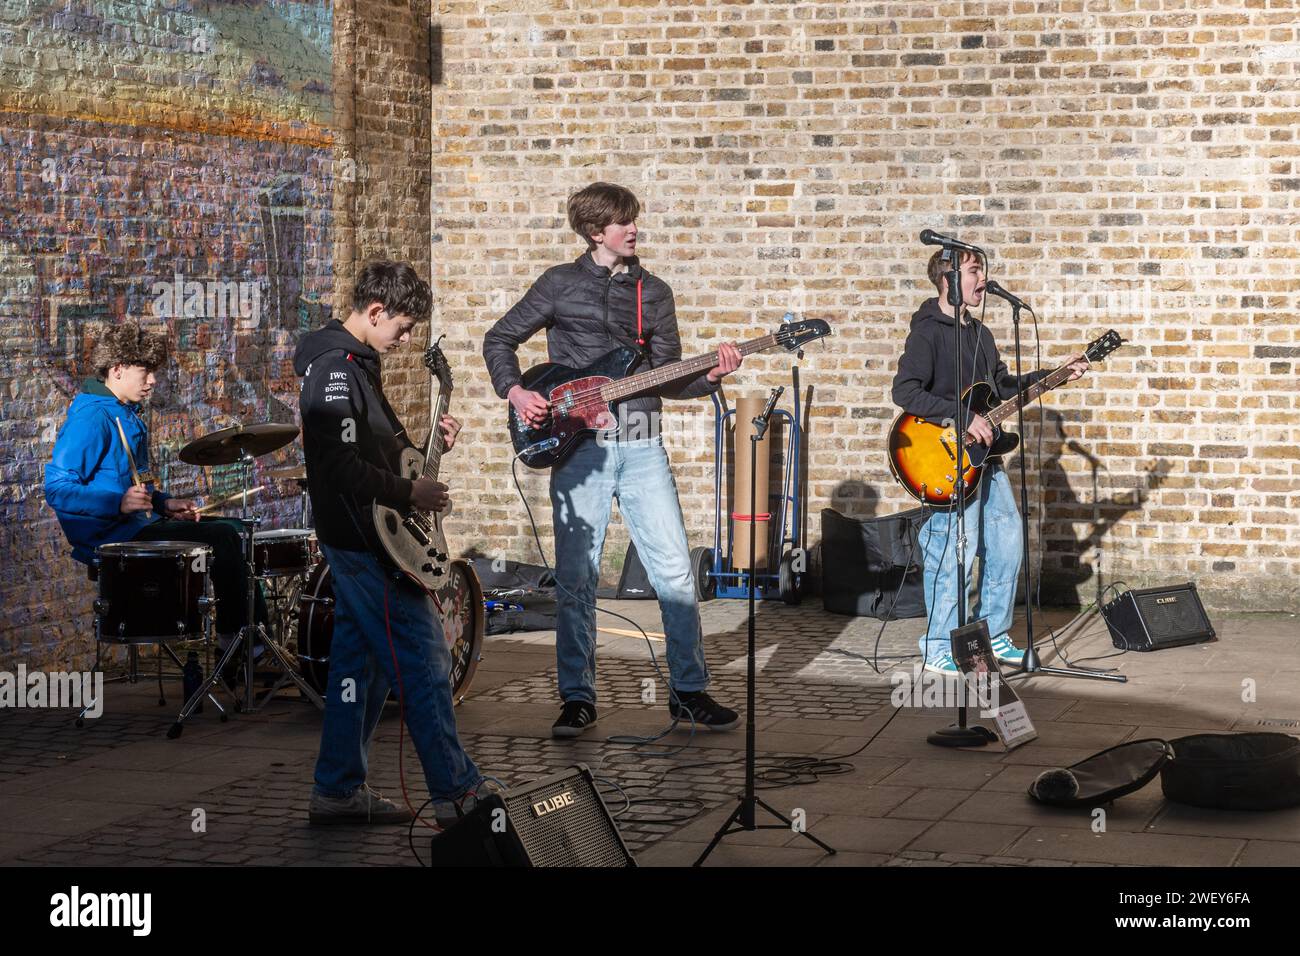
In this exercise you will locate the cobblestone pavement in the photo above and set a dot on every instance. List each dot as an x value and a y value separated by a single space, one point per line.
117 792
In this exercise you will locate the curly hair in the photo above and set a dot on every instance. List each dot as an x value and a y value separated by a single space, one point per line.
127 344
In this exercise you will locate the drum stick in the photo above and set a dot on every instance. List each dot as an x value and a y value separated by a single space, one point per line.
221 502
135 474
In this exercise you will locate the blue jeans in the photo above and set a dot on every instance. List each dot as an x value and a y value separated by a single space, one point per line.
582 487
360 652
993 532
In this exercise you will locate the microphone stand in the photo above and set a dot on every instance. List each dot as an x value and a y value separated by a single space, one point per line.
742 818
959 734
1030 663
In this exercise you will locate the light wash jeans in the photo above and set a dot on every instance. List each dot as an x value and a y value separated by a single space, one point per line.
360 651
582 486
993 532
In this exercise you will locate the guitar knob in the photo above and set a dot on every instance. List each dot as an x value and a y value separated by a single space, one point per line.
433 553
437 572
426 568
440 556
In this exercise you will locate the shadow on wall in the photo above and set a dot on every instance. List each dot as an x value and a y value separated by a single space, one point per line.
1077 521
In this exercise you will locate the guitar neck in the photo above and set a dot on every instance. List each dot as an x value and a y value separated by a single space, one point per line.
435 445
1008 408
653 378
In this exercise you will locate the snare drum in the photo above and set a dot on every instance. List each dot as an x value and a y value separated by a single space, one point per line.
151 592
284 552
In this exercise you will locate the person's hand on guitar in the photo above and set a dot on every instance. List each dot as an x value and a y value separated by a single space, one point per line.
1077 367
979 431
181 509
136 498
530 407
429 495
729 359
450 429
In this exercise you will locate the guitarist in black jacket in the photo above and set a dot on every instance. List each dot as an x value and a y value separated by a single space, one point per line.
604 300
385 631
924 387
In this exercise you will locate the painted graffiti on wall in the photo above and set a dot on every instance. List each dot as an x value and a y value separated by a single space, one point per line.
172 163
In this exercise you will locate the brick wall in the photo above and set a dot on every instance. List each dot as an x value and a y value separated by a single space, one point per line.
1130 166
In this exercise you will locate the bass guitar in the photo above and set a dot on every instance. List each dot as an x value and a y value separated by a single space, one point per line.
581 399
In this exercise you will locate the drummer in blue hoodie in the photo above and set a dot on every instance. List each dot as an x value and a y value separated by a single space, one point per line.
89 482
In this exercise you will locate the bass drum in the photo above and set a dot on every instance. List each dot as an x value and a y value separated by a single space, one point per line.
459 604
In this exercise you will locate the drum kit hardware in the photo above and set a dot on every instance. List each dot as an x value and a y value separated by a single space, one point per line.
152 592
242 445
159 592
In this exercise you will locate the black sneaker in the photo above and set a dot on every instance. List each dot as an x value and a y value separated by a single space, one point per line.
575 717
707 712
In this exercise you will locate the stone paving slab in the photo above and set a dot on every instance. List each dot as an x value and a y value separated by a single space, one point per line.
118 792
1129 849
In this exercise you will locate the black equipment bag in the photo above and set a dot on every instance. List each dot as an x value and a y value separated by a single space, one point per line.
865 562
1234 771
1104 776
519 597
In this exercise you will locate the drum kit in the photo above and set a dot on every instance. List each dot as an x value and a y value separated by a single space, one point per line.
159 592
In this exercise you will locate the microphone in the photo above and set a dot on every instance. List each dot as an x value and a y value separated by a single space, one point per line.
992 288
931 238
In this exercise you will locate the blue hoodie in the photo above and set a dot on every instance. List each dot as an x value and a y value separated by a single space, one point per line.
90 472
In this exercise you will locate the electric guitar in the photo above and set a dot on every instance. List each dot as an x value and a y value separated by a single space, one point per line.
923 452
413 539
581 399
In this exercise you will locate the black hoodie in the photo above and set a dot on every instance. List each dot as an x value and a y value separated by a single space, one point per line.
352 438
924 386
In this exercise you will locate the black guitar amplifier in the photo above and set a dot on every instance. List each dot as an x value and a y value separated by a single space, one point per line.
559 820
1155 618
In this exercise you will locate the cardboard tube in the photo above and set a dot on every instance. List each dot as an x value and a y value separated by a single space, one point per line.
746 409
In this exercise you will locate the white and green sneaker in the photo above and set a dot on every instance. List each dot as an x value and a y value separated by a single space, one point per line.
943 665
1005 651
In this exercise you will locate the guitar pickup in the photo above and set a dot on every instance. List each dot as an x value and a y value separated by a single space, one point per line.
416 531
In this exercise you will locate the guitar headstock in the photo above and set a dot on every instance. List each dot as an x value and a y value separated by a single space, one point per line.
1099 348
793 336
437 365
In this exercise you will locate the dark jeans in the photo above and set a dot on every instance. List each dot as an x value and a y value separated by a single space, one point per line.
228 570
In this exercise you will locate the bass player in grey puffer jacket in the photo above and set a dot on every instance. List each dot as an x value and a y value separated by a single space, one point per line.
589 308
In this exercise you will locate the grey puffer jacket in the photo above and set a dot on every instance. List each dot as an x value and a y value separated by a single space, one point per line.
588 311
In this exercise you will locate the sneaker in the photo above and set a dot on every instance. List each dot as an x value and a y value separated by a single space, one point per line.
363 806
699 708
447 812
944 665
1005 651
575 717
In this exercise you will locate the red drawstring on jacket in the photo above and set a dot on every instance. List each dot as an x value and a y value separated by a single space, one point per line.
640 339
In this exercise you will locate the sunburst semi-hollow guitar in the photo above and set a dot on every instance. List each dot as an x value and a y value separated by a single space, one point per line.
580 399
413 539
923 452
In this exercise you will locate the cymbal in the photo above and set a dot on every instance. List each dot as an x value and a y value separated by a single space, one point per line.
288 473
228 446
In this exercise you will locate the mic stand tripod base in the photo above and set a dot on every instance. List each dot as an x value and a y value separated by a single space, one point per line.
1031 665
956 735
742 821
